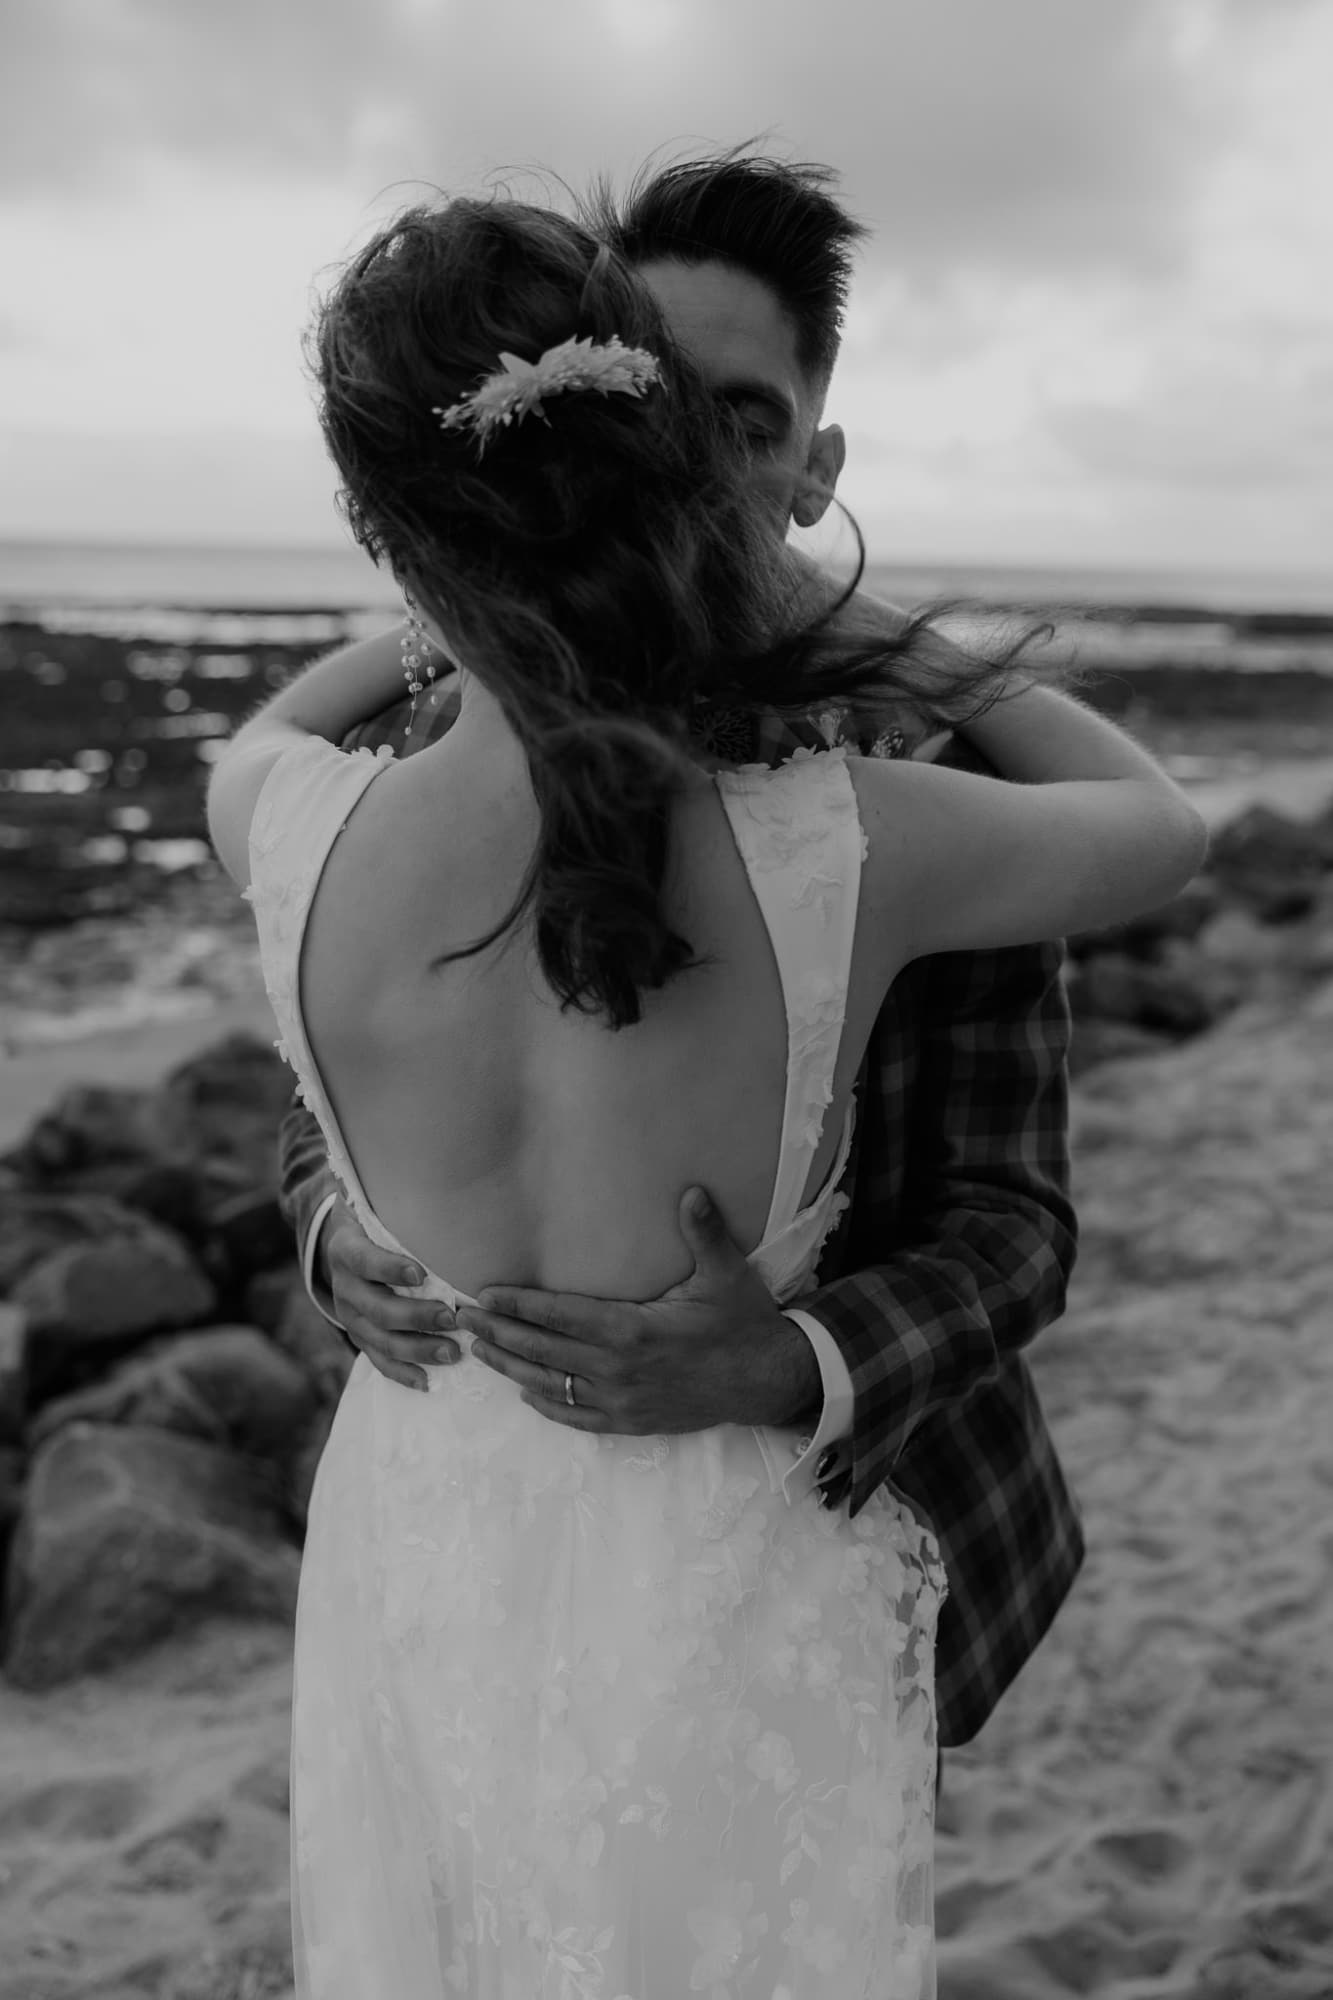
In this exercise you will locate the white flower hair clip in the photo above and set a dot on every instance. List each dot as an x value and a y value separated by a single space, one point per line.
518 388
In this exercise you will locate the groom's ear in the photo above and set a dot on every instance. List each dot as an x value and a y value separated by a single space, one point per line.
823 467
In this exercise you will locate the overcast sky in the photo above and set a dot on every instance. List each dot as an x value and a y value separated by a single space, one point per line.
1095 322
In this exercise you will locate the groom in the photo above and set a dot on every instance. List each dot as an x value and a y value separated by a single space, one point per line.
906 1365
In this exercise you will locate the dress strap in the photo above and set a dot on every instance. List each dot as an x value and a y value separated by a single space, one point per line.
798 832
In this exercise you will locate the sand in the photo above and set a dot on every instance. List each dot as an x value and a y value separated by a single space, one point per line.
1150 1810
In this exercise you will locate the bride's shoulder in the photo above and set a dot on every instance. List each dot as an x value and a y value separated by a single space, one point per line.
311 770
272 785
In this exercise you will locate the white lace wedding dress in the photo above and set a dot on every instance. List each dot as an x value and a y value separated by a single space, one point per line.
605 1718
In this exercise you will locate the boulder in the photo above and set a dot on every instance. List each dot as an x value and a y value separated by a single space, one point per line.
226 1103
1174 999
13 1464
225 1383
127 1534
1237 939
178 1193
1272 863
13 1375
1272 961
1095 1042
32 1226
267 1293
90 1302
247 1233
89 1125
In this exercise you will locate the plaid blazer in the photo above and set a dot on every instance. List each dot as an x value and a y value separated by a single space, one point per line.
954 1253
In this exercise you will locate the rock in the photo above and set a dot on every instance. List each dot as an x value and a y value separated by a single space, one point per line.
13 1465
86 1304
225 1383
177 1193
1271 863
1095 1042
126 1535
32 1226
247 1234
1236 938
267 1293
1273 961
227 1103
1176 1000
13 1375
89 1125
315 1343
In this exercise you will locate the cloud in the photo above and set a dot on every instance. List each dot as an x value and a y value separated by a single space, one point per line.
1032 133
1094 318
1208 425
227 486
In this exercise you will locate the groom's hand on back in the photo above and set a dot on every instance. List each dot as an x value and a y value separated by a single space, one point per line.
715 1349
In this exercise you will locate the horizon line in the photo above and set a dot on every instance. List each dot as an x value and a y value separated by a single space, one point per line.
915 560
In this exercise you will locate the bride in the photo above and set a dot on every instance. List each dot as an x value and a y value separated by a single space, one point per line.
577 1716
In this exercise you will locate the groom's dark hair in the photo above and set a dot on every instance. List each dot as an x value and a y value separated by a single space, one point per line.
773 219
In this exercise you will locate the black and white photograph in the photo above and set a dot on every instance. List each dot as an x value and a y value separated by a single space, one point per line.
666 1000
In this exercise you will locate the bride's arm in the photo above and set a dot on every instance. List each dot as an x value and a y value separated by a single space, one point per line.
1090 831
326 700
335 693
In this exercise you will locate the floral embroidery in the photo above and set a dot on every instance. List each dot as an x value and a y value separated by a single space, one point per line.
726 1930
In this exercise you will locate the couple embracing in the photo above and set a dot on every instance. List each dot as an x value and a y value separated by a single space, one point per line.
684 1073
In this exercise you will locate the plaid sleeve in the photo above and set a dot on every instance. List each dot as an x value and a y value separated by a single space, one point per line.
979 1230
304 1179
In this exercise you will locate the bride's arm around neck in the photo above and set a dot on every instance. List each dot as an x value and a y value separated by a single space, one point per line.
327 700
1089 832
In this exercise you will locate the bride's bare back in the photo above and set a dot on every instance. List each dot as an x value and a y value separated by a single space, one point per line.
502 1139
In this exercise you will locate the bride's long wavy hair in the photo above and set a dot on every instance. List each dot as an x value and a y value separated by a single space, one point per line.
605 570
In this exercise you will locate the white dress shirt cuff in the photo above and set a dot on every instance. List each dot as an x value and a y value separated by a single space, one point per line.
835 1423
308 1259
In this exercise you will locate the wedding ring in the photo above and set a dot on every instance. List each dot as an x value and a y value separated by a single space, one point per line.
569 1390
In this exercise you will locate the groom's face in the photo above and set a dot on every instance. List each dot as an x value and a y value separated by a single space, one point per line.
736 332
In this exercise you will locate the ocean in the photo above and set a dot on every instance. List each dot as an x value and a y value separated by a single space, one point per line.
340 578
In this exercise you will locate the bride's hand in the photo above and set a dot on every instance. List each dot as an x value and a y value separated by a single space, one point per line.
400 1336
715 1349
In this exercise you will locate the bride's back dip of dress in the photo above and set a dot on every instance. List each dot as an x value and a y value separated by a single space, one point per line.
582 1717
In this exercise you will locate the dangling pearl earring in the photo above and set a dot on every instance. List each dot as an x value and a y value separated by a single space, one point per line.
416 646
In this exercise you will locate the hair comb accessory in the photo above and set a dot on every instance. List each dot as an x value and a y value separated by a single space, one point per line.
517 388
